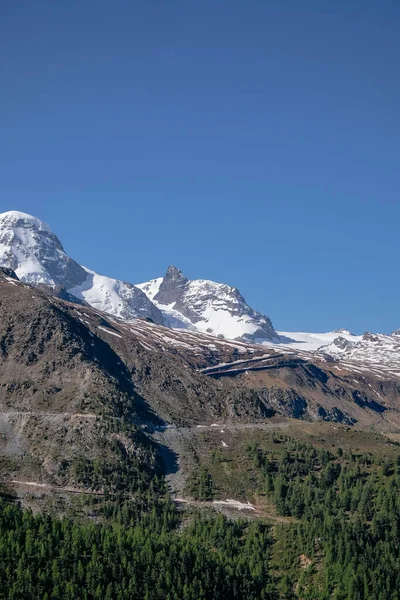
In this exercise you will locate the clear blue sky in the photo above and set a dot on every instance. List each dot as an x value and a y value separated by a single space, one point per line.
254 143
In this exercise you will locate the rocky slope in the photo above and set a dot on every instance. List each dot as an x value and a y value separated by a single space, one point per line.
177 375
63 393
207 306
76 385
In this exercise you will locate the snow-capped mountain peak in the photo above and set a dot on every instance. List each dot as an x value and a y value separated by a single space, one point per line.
34 252
16 218
207 306
30 248
371 348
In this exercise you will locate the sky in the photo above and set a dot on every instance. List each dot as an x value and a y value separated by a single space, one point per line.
254 143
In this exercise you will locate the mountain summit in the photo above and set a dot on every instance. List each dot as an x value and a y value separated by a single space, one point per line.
175 274
28 246
34 252
207 306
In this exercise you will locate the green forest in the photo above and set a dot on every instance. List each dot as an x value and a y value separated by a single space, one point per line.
347 521
340 541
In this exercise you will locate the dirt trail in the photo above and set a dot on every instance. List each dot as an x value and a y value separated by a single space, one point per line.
51 488
45 414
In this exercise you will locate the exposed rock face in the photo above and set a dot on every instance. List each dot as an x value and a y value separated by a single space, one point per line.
208 306
6 273
172 290
342 343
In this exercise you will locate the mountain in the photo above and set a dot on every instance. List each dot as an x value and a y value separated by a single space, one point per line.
93 403
76 384
84 446
369 349
129 431
63 394
207 306
28 246
67 371
30 249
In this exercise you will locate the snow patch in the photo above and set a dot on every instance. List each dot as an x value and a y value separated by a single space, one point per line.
108 331
235 504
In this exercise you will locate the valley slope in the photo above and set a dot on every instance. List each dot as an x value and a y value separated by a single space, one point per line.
100 379
78 387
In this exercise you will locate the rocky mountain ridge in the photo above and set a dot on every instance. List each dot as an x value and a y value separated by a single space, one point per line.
371 349
207 306
181 376
33 251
